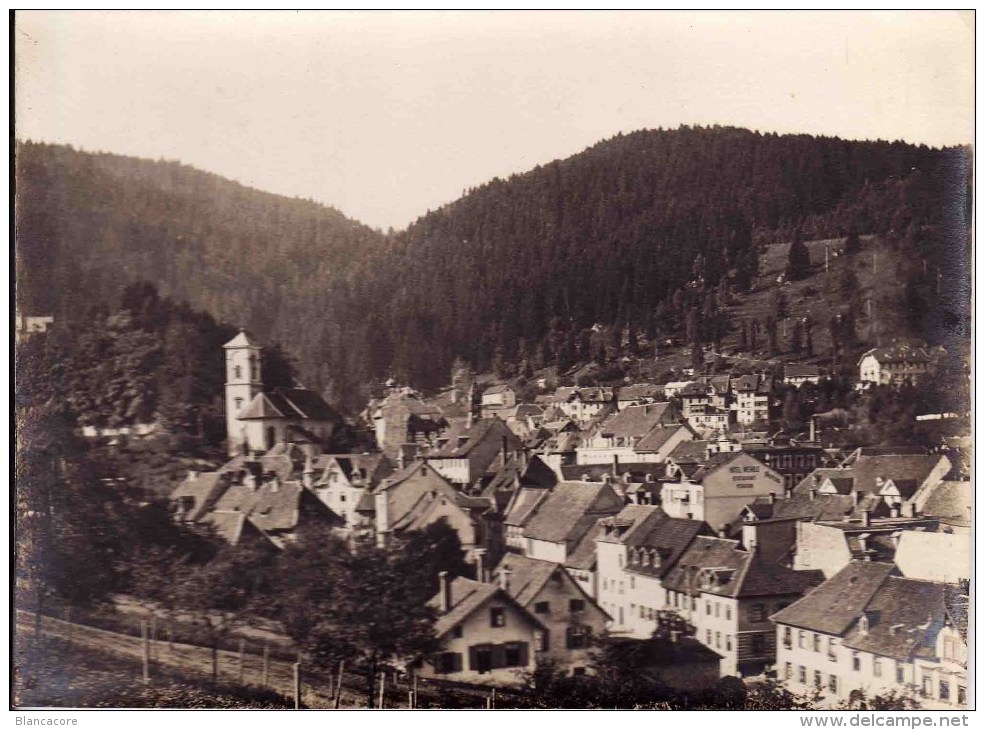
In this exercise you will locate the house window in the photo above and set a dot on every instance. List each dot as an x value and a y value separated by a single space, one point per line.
694 603
718 639
787 637
237 372
513 655
728 612
576 605
788 671
449 662
621 587
832 684
817 679
642 611
832 654
239 403
900 673
457 632
718 609
632 583
802 674
962 695
577 637
944 691
342 498
876 668
497 617
856 662
928 686
757 613
728 642
542 607
758 645
817 643
578 672
708 608
708 637
545 640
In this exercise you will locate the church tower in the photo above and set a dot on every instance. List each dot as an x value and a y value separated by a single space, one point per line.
242 384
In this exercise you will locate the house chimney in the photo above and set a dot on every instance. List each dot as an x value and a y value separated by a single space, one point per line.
772 497
470 421
749 539
894 510
506 449
445 590
910 509
480 565
504 578
401 459
192 475
813 493
813 431
307 476
615 465
866 518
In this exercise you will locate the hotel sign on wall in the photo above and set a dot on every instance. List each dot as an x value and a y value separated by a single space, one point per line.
745 476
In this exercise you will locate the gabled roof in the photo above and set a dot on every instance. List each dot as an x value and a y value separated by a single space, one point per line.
802 507
524 505
570 510
240 340
637 421
484 429
689 451
907 471
583 555
951 502
639 390
903 617
669 536
204 490
289 403
527 576
836 604
467 596
801 371
739 573
658 437
628 520
498 388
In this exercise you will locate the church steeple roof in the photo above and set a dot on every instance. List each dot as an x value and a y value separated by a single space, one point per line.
240 340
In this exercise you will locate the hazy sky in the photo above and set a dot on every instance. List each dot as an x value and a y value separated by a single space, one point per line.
385 115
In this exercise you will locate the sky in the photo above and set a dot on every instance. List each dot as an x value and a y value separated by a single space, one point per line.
385 115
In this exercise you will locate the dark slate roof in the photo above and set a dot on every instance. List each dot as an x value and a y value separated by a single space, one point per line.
640 390
951 502
695 389
689 451
483 429
636 421
802 507
570 510
903 616
801 371
289 403
743 573
907 471
527 576
466 597
525 503
583 556
657 437
205 489
631 518
836 604
596 472
669 536
748 383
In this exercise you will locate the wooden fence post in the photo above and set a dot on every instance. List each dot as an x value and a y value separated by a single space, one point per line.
265 672
410 699
146 649
297 685
492 698
338 691
415 688
382 688
242 659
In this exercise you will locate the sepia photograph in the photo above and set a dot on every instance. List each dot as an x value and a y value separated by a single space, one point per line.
482 360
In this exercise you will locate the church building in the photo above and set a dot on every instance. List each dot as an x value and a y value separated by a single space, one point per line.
256 419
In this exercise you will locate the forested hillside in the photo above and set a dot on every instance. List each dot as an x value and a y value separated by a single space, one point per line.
654 233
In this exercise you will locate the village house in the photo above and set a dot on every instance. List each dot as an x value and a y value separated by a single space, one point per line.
752 399
940 556
868 629
403 417
524 419
897 484
789 458
638 394
25 326
475 453
570 617
583 404
797 375
635 550
256 420
563 518
645 433
727 592
487 637
252 499
418 495
342 481
718 490
894 365
497 400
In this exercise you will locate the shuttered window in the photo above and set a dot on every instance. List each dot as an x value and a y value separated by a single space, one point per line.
449 662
